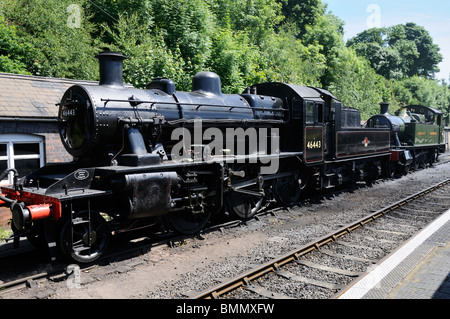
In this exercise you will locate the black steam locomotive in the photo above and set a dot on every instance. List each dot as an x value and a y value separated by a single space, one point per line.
163 157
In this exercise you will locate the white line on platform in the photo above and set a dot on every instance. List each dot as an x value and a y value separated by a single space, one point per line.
373 278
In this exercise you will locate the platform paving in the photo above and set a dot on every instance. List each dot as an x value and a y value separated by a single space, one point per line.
420 269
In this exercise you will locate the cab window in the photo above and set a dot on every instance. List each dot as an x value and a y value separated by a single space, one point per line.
313 113
309 116
296 109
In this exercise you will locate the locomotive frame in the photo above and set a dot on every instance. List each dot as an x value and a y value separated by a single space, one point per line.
132 169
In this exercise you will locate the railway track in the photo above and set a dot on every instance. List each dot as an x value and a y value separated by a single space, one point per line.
58 272
333 261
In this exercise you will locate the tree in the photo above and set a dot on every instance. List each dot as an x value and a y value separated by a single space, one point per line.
398 51
147 57
302 13
357 85
425 64
12 50
287 59
187 26
327 32
420 90
235 59
55 45
373 35
107 12
257 18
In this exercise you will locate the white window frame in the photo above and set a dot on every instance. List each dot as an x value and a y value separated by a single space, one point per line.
10 140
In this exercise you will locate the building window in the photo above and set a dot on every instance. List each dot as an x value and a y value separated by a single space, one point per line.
22 152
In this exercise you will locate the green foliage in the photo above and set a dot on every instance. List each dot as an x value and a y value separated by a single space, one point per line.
419 90
235 59
187 26
357 84
398 51
328 33
108 11
258 18
302 13
243 41
148 57
8 65
289 60
4 233
53 48
428 53
12 50
407 56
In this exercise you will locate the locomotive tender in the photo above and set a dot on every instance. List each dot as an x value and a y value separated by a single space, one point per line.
162 157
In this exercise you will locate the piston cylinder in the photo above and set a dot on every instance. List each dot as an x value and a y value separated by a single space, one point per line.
149 194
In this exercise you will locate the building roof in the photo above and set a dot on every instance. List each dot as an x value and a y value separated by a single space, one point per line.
32 97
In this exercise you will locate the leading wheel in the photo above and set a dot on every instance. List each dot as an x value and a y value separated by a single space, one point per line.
85 237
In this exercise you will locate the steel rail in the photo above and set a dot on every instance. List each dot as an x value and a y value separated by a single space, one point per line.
274 265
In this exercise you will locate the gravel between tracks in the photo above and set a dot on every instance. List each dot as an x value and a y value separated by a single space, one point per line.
198 264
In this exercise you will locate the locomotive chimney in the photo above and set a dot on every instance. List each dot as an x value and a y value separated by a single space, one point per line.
384 107
111 68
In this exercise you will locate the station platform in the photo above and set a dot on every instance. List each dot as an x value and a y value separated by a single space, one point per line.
419 269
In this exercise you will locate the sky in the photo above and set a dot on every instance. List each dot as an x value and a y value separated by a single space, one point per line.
433 15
